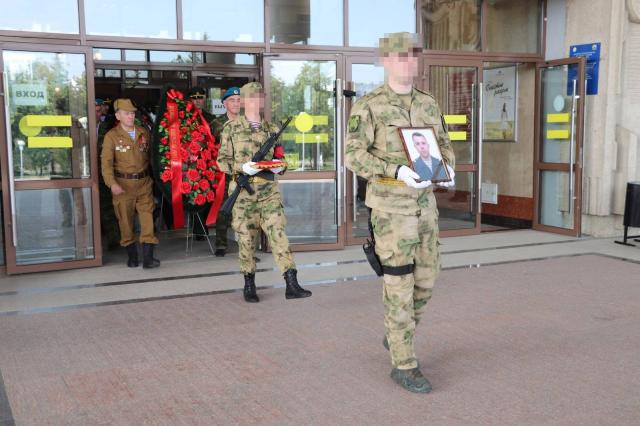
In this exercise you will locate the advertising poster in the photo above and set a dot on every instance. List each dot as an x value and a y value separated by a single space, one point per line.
499 113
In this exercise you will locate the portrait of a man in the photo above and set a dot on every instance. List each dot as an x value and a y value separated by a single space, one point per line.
427 164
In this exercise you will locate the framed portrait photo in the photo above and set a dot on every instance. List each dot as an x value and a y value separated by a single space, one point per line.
423 153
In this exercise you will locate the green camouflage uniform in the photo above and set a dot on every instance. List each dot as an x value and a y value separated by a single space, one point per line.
404 219
108 220
217 124
264 208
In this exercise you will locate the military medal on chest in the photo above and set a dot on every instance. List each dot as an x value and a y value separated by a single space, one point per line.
143 143
122 147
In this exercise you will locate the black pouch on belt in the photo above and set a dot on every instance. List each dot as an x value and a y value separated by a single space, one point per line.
369 249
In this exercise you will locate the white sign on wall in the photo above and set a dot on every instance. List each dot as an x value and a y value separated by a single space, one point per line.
217 107
33 94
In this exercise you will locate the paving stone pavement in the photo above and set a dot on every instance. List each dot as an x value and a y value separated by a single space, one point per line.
552 341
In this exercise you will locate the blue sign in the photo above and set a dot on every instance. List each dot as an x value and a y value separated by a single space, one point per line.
591 52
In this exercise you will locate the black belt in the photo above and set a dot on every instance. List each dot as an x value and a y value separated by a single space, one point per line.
131 175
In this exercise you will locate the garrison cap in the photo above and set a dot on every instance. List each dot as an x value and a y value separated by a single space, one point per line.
399 43
99 101
197 93
251 88
231 91
124 104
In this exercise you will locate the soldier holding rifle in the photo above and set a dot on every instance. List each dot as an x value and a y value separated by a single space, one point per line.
258 204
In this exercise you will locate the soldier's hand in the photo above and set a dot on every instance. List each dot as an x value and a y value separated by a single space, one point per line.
116 189
452 182
409 177
248 168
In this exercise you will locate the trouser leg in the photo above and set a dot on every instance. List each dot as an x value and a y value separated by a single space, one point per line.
144 206
273 223
246 224
396 241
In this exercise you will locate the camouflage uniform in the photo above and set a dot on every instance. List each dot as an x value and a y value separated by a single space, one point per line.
264 208
217 124
404 219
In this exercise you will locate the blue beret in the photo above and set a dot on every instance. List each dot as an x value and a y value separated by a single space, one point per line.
99 101
231 91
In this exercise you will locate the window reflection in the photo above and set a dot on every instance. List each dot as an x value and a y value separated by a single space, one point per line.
456 205
222 20
521 20
369 20
451 24
306 87
48 114
306 22
310 209
143 18
54 225
60 16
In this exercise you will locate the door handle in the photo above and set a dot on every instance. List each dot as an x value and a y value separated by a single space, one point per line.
12 182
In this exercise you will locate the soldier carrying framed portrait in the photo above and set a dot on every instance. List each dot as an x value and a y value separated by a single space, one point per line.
423 153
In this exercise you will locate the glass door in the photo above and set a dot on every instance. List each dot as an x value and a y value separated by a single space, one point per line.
558 151
363 75
457 88
304 86
49 163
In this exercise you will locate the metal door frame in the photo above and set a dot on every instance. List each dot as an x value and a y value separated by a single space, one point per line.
92 182
577 132
474 167
338 174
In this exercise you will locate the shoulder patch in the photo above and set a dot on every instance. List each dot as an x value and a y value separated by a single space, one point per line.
354 123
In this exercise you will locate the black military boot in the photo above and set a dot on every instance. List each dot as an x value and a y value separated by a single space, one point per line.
132 252
294 291
148 261
412 380
250 288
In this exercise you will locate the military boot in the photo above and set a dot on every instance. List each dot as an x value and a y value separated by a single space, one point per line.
412 380
250 288
294 291
132 252
148 261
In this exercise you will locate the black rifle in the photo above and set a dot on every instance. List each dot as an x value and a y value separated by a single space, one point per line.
243 180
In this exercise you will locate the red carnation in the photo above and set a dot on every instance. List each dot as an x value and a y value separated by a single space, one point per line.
196 135
204 185
189 106
206 154
166 176
164 141
209 174
200 199
184 154
278 152
181 114
193 175
211 196
168 155
201 164
186 187
194 147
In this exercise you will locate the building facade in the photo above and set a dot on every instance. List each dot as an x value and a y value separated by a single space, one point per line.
533 151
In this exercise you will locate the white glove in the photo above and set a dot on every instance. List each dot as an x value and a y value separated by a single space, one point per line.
277 170
409 177
248 168
452 182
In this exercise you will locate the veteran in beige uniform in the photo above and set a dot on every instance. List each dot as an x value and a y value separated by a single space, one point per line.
125 169
404 214
263 209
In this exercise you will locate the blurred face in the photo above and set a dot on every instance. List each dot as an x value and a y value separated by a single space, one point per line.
105 109
403 66
232 104
200 102
253 102
126 117
421 144
98 111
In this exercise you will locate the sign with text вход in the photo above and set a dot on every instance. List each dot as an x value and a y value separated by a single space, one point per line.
34 94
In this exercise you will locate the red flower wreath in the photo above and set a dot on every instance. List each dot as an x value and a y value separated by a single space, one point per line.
193 174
